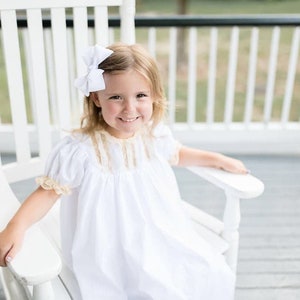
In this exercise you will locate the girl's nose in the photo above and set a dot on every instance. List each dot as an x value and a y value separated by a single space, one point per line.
129 105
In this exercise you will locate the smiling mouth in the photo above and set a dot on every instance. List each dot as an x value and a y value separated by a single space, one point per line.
128 120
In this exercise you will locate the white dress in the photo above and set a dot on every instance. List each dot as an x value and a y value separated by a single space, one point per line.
124 232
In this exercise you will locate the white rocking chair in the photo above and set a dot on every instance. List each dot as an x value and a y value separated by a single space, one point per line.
38 272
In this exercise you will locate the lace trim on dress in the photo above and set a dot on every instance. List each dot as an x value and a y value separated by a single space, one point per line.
48 183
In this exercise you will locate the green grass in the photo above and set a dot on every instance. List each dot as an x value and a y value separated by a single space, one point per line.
220 7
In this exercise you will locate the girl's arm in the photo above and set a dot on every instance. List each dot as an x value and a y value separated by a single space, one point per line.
194 157
31 211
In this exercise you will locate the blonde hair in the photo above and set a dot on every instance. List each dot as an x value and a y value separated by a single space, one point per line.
123 58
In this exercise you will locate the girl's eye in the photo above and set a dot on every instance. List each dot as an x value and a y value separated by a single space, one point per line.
116 97
141 95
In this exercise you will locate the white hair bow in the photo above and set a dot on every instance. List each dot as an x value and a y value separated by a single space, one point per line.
93 80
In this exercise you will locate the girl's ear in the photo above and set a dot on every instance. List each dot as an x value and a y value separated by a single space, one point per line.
95 98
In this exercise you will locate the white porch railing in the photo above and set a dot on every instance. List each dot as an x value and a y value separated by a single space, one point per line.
235 88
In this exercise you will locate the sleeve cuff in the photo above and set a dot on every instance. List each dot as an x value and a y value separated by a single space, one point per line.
48 183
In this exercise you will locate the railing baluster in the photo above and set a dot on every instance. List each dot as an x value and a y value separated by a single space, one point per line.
192 76
172 75
211 90
271 75
111 35
290 77
152 41
251 76
230 88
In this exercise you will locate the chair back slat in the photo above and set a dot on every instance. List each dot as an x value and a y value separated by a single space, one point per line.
29 4
101 26
127 12
80 40
60 51
39 78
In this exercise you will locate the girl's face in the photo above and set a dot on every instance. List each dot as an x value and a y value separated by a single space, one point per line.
126 103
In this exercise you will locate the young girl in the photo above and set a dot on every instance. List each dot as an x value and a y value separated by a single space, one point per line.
124 232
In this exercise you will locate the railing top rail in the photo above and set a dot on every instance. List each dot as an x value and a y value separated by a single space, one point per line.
217 20
189 20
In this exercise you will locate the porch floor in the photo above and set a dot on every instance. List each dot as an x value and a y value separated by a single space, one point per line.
269 256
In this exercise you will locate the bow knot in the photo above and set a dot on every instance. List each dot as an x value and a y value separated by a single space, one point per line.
93 80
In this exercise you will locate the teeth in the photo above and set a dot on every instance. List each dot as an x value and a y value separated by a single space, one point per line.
128 120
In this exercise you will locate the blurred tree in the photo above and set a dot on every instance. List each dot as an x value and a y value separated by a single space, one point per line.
181 49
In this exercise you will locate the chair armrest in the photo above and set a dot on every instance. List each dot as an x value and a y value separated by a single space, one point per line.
37 262
241 186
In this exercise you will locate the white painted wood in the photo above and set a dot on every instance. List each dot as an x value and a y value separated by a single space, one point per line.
11 287
211 88
202 217
241 186
152 41
80 37
101 26
80 41
271 75
172 76
235 187
14 77
192 76
290 77
231 218
29 4
50 76
43 291
76 98
112 38
26 47
60 51
251 76
232 65
127 13
40 95
256 139
216 241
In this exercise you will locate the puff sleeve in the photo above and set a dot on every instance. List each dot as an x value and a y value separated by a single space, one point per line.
64 167
166 144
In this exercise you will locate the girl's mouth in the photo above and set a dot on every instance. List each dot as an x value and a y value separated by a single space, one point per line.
128 120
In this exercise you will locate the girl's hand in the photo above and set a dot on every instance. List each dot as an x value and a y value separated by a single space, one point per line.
232 165
11 239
